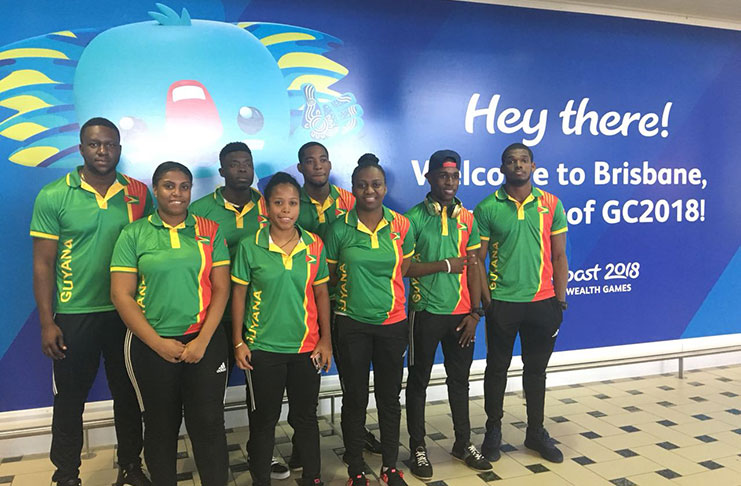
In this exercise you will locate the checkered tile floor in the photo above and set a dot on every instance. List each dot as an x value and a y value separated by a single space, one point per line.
658 430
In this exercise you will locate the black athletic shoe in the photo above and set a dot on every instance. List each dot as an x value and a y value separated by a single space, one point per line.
372 444
472 457
312 482
491 444
539 441
70 482
278 470
392 477
419 464
132 475
358 480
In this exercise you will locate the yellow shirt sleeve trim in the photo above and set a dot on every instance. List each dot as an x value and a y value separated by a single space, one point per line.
220 263
239 281
46 236
329 260
124 269
484 238
319 282
474 247
558 232
409 255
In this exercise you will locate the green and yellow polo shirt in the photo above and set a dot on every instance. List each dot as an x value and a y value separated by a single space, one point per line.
173 264
316 217
439 235
371 287
85 226
281 314
233 223
519 236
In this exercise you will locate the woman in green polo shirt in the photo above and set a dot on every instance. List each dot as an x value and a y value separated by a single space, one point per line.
170 283
281 329
367 265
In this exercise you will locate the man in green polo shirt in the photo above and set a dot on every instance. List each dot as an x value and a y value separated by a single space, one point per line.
525 228
321 202
76 220
236 206
444 301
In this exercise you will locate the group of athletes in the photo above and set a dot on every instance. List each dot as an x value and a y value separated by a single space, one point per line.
316 273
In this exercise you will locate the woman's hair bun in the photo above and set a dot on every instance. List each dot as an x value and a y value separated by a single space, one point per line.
367 159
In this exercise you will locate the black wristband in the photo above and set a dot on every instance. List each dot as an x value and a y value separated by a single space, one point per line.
564 305
479 311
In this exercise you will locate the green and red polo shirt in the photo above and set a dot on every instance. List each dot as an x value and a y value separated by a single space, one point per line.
85 226
439 235
234 222
370 287
316 217
519 236
280 314
173 264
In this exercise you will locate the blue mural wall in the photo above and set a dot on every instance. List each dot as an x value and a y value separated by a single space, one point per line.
634 125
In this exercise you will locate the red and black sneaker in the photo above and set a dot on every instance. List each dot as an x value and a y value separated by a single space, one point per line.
392 477
358 480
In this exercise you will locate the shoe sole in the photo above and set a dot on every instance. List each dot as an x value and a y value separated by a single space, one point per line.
284 475
421 478
469 466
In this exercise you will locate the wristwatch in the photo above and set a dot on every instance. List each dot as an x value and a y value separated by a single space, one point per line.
479 311
564 305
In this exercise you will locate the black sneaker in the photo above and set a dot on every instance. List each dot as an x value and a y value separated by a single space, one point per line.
372 444
472 457
294 462
392 477
70 482
419 464
539 441
278 470
132 475
358 480
491 444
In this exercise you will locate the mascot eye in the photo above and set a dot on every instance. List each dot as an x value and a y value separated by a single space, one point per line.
131 124
250 119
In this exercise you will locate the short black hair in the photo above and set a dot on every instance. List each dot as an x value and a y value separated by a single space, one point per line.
280 178
233 147
368 160
515 146
306 147
166 167
99 121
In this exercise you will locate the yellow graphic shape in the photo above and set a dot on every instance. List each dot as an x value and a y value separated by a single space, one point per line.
22 131
24 77
33 156
32 52
22 104
308 59
285 37
65 33
321 83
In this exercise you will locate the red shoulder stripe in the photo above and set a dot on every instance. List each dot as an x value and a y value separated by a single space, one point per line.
139 190
346 200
